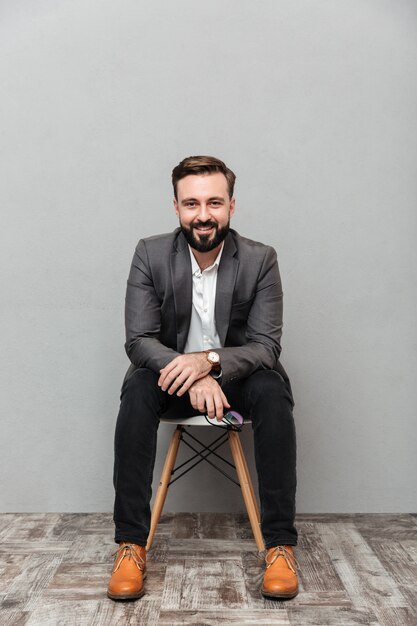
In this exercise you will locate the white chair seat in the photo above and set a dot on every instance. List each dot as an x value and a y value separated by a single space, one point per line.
196 420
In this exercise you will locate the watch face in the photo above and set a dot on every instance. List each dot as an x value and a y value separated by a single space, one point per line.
213 357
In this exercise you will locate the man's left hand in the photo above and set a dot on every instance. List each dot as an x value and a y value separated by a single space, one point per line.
183 371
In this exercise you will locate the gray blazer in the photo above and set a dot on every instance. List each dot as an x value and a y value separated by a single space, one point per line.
248 306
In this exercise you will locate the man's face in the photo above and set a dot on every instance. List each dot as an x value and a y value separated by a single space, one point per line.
204 210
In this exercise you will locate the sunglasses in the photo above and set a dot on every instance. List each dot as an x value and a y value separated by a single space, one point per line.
231 420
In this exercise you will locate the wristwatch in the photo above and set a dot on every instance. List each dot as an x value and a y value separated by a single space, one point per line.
214 359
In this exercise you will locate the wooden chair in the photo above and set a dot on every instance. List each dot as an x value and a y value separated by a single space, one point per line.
182 433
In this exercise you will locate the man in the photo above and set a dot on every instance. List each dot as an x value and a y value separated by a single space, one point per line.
203 328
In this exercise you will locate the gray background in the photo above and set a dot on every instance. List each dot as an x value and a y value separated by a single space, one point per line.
313 105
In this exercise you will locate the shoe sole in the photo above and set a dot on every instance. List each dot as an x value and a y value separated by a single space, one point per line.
282 596
136 596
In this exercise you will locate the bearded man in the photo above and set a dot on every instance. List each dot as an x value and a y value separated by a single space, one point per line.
203 330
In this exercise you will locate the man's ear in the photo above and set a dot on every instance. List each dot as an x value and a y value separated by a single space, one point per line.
176 206
232 206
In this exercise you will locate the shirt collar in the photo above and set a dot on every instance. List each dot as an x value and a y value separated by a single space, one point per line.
195 269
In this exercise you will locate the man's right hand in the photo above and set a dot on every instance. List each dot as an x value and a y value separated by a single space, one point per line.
207 396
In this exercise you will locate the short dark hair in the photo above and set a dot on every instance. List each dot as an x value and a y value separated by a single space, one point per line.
195 165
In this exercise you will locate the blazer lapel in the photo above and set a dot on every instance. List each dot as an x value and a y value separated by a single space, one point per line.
226 278
182 287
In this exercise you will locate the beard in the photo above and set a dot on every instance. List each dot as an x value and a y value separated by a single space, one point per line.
201 242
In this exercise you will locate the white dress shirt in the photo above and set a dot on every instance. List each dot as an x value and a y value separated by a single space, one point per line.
202 334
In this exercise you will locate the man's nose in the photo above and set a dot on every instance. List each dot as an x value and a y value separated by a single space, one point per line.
204 213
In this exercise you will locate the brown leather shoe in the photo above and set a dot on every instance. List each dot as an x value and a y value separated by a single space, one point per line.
129 572
280 579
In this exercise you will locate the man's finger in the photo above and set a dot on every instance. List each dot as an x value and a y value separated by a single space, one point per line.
177 382
210 407
219 409
162 377
169 379
193 399
182 383
224 399
201 403
187 384
166 370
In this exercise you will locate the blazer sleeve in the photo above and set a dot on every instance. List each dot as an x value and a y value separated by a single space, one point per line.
264 326
143 316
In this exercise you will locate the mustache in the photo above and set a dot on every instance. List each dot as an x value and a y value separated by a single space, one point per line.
200 224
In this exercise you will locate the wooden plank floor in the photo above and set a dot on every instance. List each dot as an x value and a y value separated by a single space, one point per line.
204 569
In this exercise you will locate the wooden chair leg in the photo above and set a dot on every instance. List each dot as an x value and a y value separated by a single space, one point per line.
249 480
246 487
161 493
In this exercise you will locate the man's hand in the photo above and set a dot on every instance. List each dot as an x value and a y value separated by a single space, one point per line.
183 371
207 396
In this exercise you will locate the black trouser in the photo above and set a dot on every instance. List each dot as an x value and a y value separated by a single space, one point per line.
263 396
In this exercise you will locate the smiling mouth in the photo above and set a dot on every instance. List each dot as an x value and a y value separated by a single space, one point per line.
204 232
203 229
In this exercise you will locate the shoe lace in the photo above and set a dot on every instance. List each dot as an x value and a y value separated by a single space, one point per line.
282 551
127 550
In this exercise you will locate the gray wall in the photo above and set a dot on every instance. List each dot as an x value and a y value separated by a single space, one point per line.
313 104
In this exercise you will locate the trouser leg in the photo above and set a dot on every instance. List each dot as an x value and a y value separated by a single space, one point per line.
264 396
142 402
